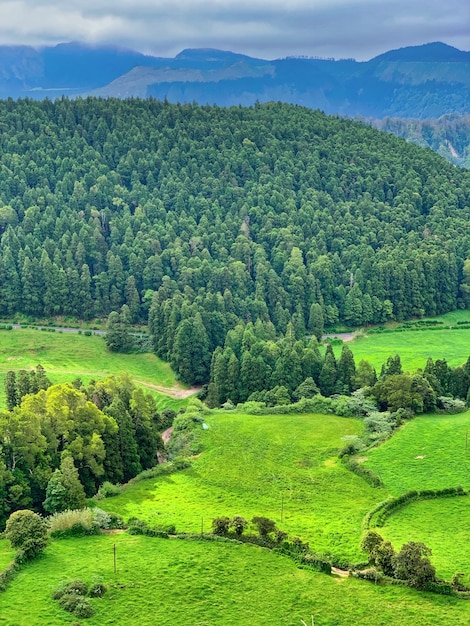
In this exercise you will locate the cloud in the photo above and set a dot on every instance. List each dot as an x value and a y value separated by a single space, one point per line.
267 28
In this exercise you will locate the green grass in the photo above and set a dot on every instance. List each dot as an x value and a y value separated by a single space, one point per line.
440 524
429 452
6 554
413 346
169 582
256 465
68 355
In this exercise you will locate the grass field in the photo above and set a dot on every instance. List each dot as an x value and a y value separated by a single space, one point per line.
258 465
169 582
68 355
413 346
440 524
429 452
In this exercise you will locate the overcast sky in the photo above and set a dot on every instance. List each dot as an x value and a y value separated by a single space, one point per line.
264 28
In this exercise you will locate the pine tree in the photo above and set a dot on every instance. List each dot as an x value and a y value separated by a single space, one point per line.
346 371
11 390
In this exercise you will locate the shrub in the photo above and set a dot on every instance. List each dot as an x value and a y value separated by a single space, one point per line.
101 518
84 609
69 601
108 490
72 523
238 524
78 587
220 525
27 532
370 573
97 590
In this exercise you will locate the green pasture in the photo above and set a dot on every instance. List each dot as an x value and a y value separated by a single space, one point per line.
275 466
413 346
428 452
441 524
168 582
68 355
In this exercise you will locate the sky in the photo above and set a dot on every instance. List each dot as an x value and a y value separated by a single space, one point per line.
265 28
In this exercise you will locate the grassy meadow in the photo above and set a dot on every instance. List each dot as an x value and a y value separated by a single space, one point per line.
416 346
428 452
264 465
284 467
440 524
170 582
68 355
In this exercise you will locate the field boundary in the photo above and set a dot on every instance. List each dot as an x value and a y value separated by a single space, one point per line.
377 516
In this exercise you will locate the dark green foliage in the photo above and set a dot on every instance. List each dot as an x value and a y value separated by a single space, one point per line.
173 214
64 489
221 525
412 564
27 532
118 337
264 526
97 590
238 524
11 390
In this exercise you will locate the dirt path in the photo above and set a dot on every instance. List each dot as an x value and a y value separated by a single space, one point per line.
176 392
166 435
342 573
343 336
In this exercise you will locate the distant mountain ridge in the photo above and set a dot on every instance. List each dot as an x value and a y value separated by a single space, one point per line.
420 82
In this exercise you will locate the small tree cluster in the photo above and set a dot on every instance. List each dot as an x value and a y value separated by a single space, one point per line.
411 563
19 384
223 525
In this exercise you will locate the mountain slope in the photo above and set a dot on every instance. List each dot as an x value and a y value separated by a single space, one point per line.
419 81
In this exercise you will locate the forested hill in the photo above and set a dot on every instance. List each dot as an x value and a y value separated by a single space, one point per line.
208 216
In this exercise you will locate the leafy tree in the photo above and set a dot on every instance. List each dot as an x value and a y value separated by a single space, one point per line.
64 489
264 526
220 525
412 564
239 525
27 532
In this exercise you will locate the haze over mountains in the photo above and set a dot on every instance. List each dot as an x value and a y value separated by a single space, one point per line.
420 82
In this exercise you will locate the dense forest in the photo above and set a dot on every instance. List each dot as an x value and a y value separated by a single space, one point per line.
201 218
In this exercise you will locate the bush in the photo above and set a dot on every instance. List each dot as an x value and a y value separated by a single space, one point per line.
97 590
370 573
84 609
78 587
72 523
220 525
108 490
101 518
27 533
